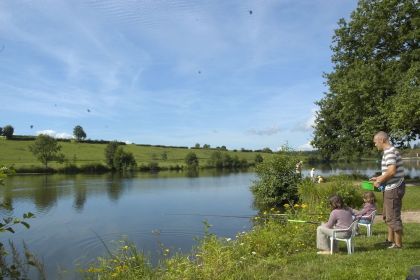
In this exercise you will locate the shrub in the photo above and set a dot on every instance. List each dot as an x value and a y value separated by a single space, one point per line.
191 160
318 194
277 182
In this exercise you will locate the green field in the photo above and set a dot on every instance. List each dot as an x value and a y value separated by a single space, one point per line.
18 154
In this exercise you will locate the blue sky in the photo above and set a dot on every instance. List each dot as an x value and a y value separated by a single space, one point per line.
244 74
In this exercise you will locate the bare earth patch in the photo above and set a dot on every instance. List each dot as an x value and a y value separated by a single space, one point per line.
407 217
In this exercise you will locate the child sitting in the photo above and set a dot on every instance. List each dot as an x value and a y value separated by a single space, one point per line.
340 218
368 207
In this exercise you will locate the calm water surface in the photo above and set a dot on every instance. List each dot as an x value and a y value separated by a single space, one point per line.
71 210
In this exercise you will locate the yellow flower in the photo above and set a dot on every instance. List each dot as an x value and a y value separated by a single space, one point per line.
297 205
304 205
286 205
125 247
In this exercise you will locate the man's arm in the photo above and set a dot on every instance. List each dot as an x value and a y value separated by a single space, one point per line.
389 173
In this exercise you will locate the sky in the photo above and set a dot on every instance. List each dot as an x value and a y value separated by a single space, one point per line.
238 73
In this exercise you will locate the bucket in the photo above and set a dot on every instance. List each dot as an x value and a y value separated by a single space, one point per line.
367 185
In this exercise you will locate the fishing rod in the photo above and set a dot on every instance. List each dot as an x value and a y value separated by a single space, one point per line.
237 216
211 215
246 217
303 222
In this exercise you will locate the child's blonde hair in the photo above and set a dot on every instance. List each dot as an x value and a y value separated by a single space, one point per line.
369 197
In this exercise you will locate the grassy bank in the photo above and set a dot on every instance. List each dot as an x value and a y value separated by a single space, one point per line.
275 249
82 154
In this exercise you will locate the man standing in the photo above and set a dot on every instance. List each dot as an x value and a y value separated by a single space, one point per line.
393 179
312 174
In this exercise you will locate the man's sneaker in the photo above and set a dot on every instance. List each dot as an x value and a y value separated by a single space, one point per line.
388 243
394 246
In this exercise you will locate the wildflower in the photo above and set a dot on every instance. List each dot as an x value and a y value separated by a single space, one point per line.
286 205
272 209
242 244
297 205
265 213
254 253
125 247
304 205
228 239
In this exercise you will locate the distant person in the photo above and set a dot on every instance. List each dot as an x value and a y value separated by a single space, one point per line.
299 167
312 174
368 207
320 180
340 218
393 179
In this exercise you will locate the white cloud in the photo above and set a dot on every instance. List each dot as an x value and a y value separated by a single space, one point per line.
52 133
307 125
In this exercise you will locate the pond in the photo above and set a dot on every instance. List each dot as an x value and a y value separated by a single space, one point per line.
72 211
75 212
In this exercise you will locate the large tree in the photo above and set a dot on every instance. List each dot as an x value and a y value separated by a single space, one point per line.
46 149
79 133
8 131
374 84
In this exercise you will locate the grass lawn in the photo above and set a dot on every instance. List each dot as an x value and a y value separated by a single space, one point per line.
371 259
17 153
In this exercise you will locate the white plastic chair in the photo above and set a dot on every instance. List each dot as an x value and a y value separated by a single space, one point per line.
368 225
349 240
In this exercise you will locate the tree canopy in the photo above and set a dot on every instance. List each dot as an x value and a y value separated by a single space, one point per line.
79 133
8 131
117 159
374 84
46 149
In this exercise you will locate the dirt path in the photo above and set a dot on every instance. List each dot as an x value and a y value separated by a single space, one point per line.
407 217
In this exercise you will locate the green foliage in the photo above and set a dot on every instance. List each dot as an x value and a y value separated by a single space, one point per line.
45 149
191 160
314 194
164 155
258 158
110 150
117 159
223 160
8 131
277 182
374 85
79 133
